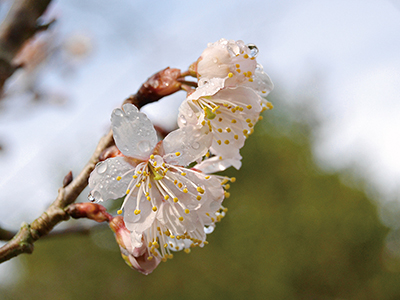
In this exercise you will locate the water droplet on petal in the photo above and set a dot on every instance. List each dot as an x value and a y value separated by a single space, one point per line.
208 229
91 198
101 168
118 112
215 60
183 119
195 145
253 50
144 146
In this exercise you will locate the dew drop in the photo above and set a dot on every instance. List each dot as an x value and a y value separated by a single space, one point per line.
101 168
215 60
183 119
144 146
195 145
91 198
118 112
208 229
253 50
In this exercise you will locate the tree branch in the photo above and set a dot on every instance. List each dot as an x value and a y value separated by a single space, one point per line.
19 25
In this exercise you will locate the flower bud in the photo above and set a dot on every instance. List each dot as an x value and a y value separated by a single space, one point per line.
140 258
91 211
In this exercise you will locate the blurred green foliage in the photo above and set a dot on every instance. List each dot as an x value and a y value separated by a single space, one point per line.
292 232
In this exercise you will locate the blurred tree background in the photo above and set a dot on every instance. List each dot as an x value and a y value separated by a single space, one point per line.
291 232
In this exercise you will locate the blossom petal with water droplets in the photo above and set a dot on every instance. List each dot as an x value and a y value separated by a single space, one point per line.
133 132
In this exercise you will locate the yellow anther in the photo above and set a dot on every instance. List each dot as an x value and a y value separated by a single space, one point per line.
233 179
236 137
207 214
187 211
220 120
134 176
154 208
200 190
209 114
181 219
219 130
225 209
175 199
152 156
149 185
119 178
245 56
205 243
238 70
220 157
198 197
139 184
230 75
264 92
251 80
260 118
215 108
155 244
227 186
185 190
166 197
208 154
175 181
119 211
155 163
248 120
240 108
233 121
172 236
212 219
269 105
187 250
207 177
203 122
164 259
148 198
183 174
177 153
165 245
149 257
226 142
249 107
228 129
139 172
237 66
227 194
250 125
218 112
170 256
128 191
137 211
180 184
233 109
245 132
219 142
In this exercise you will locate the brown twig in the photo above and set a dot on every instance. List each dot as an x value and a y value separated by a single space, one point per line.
19 25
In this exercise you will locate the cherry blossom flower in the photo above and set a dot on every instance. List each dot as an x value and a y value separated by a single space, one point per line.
136 258
228 99
233 63
166 205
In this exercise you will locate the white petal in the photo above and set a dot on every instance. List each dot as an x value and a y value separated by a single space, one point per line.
104 179
215 164
142 221
133 132
207 87
187 144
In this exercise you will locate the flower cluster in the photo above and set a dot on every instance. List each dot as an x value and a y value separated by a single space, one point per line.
171 198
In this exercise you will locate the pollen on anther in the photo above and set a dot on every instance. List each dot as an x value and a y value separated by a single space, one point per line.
260 118
185 190
230 75
177 153
187 250
236 137
233 121
198 197
134 177
219 130
118 178
152 156
249 106
166 197
183 174
128 191
181 219
175 199
207 177
233 179
251 80
200 190
187 211
137 211
219 142
246 56
226 142
119 211
154 208
238 70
